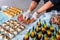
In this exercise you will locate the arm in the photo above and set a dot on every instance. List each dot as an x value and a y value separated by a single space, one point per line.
43 8
33 4
46 6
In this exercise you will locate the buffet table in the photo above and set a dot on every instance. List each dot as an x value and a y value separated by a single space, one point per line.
44 17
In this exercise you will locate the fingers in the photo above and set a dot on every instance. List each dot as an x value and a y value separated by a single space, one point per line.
24 16
31 20
24 19
20 17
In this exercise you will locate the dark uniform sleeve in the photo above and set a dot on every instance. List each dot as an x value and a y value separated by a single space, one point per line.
55 1
37 1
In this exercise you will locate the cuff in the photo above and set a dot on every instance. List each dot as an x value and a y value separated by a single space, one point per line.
28 11
54 1
37 1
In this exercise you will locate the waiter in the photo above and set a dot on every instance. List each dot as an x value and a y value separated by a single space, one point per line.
48 6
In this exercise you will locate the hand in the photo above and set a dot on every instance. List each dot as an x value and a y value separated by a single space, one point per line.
26 14
34 17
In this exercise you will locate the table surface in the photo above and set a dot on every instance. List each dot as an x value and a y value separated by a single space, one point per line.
24 5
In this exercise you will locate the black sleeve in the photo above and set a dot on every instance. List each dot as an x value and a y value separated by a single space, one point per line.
55 1
36 1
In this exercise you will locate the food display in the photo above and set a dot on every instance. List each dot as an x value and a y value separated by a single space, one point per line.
10 28
55 19
12 11
43 32
43 28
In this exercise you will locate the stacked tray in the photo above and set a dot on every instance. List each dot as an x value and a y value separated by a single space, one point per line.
10 29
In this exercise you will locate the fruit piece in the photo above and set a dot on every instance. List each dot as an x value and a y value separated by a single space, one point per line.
59 31
52 29
39 35
26 36
49 33
39 23
32 34
52 38
43 30
57 36
46 37
45 26
37 29
35 38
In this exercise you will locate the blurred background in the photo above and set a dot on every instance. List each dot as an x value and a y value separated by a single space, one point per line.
23 4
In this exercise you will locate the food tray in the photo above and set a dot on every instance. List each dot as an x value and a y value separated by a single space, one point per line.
11 28
4 21
12 11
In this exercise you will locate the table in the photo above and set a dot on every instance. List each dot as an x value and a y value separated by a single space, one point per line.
43 17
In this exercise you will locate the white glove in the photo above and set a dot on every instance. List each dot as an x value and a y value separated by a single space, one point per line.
26 14
35 16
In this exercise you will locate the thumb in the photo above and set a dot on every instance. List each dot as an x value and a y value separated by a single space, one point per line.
23 16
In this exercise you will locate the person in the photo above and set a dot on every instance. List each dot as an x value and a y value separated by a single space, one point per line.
48 6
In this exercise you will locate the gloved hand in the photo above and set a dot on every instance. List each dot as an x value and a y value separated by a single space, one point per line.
35 15
26 14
